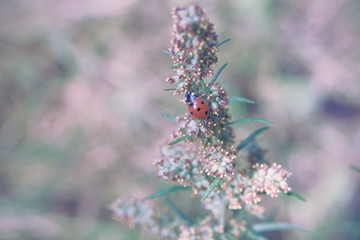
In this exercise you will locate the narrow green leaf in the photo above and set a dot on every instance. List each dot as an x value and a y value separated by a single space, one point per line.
253 236
167 191
354 168
240 99
180 139
278 226
177 211
250 138
170 89
247 120
170 117
211 188
168 52
222 42
294 195
203 86
218 73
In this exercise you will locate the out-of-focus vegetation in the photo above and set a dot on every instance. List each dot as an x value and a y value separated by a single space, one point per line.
81 97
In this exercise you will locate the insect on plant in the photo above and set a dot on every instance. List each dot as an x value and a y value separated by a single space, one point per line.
202 155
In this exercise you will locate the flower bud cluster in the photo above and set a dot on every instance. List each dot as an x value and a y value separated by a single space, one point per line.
209 229
265 180
204 231
218 162
179 163
136 213
194 52
194 48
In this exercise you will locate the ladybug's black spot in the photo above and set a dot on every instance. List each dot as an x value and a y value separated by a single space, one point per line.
202 102
206 112
198 109
191 112
191 103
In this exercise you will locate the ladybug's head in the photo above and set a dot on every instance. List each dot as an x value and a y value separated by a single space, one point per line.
190 96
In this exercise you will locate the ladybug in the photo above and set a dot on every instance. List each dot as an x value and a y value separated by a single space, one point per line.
197 107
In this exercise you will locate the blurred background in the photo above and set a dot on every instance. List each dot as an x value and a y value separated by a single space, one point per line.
81 93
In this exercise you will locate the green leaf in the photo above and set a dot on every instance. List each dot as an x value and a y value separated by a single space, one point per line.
177 211
222 42
218 73
170 117
170 89
166 52
354 168
180 139
211 188
250 138
294 195
240 99
278 226
253 236
247 120
203 86
167 191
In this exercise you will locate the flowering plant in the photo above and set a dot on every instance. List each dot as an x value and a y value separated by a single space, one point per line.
202 155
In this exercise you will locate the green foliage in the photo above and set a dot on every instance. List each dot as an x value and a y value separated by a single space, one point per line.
279 226
294 195
180 139
354 168
211 188
250 138
222 42
215 77
171 205
248 120
240 99
170 117
167 191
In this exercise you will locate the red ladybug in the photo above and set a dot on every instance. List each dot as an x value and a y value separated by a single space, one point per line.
197 107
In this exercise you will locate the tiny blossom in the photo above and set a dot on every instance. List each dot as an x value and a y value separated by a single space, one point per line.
255 209
179 163
244 190
271 180
190 126
218 161
218 99
194 47
136 213
236 228
204 231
